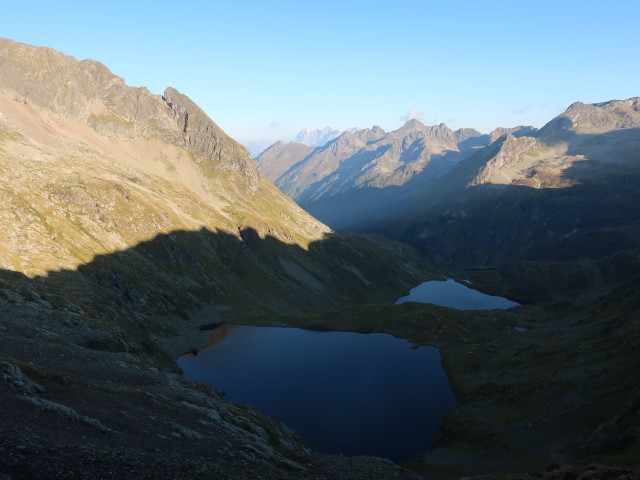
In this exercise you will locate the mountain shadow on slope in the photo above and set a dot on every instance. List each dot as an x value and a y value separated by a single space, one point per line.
138 303
590 210
150 286
88 380
365 208
352 182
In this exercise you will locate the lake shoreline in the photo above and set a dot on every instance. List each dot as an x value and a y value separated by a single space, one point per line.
269 367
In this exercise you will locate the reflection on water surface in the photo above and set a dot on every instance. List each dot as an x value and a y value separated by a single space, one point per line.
343 392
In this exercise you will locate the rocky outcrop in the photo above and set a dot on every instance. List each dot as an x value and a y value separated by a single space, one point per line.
597 118
211 146
87 92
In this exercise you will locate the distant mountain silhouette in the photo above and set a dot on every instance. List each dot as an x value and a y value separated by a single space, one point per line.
319 136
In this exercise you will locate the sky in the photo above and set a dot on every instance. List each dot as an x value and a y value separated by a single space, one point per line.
264 70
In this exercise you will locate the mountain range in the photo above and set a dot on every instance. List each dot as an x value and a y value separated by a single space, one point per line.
403 183
131 224
352 180
319 136
567 192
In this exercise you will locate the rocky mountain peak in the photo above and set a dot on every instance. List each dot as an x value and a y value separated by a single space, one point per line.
201 136
441 133
595 118
412 125
463 134
346 139
87 92
369 135
319 137
279 157
52 81
519 131
273 148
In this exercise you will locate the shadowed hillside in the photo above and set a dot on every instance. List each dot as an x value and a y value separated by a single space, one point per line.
89 353
178 279
585 205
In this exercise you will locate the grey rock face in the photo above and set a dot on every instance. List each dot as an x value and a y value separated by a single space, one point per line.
87 91
204 138
359 167
595 118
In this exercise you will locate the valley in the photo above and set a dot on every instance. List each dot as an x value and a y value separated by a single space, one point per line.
130 223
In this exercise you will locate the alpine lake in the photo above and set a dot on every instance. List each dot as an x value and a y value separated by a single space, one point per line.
343 392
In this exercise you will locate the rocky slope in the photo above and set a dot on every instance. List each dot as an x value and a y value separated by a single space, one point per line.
550 218
553 220
349 181
280 157
566 193
127 220
551 382
92 166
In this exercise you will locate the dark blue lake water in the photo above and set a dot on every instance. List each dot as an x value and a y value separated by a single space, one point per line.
452 294
351 393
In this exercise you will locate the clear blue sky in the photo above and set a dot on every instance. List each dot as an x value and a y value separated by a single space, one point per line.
263 70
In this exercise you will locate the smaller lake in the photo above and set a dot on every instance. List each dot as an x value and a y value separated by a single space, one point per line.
344 392
452 294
